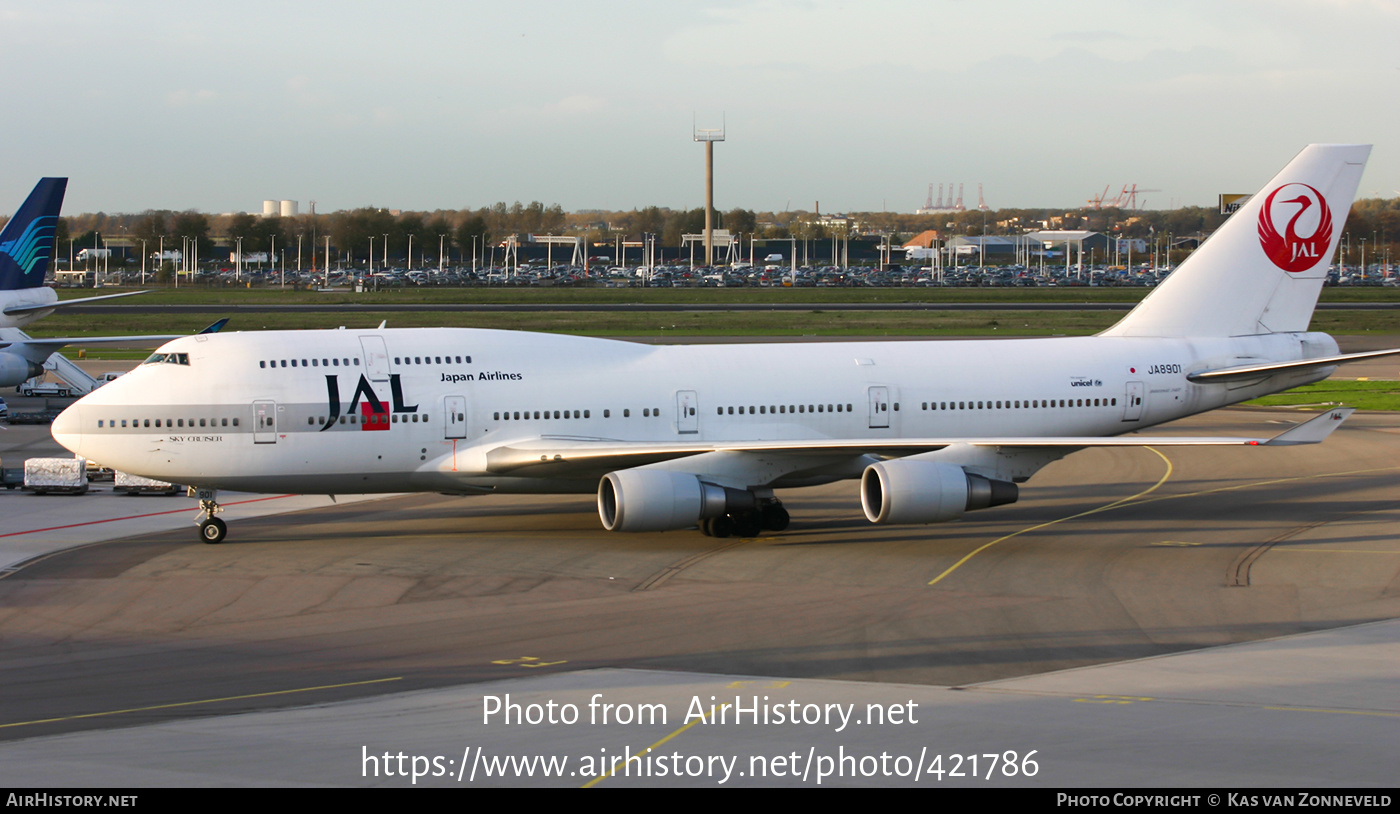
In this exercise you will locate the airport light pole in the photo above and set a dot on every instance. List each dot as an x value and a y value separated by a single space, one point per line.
385 265
371 255
88 266
185 255
709 137
410 251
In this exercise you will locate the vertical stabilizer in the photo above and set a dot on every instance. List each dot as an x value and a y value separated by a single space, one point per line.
1262 270
27 242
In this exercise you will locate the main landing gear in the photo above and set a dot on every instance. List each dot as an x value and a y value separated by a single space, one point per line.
767 516
212 530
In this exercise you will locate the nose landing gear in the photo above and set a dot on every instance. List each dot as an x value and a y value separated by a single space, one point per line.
212 530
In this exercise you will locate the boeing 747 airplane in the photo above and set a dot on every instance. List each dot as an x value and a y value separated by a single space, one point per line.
701 436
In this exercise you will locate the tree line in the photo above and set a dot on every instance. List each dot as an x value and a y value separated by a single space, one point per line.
466 231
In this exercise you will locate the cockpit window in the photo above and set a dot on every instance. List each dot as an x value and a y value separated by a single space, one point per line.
168 359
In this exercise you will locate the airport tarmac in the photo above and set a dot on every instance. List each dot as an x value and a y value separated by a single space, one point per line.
1189 617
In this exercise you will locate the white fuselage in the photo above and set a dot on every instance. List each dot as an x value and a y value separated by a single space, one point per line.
294 411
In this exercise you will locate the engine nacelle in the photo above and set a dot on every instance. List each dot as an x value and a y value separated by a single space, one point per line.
660 500
15 369
927 492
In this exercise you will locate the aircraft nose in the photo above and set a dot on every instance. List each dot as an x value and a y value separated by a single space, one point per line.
67 429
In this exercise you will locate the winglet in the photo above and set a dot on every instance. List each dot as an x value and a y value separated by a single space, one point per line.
216 327
1313 431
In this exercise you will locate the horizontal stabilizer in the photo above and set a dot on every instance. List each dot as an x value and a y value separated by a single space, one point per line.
1227 374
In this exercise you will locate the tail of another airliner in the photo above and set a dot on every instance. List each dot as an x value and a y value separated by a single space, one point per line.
1261 271
27 241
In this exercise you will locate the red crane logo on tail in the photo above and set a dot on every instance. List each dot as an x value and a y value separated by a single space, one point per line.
1288 250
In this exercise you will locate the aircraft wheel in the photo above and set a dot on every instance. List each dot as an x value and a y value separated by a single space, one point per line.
213 531
748 524
775 517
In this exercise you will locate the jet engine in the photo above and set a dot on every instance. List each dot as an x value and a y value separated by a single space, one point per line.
927 492
660 500
15 369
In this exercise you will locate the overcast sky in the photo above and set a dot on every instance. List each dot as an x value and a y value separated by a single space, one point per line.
858 105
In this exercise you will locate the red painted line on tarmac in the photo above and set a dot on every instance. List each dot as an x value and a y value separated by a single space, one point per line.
136 517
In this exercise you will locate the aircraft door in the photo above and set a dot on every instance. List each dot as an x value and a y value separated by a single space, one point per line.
687 412
879 407
1132 401
264 422
376 358
454 413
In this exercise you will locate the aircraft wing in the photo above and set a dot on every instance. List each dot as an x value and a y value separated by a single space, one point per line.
49 306
549 454
1226 374
49 345
15 339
